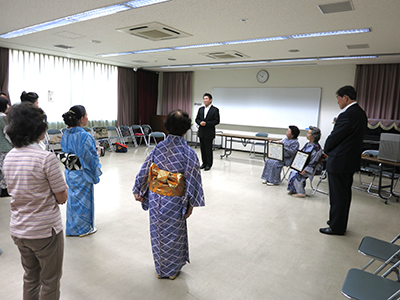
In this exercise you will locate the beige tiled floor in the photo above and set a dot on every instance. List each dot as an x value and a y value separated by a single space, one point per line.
250 241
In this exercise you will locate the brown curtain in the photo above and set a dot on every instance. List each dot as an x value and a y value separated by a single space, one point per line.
127 97
177 92
378 90
147 91
4 71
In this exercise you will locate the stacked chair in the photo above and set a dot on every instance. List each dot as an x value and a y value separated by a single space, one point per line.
53 140
362 285
137 133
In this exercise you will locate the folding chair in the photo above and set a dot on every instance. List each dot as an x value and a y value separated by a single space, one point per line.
252 152
285 173
146 131
321 171
380 250
101 137
53 140
362 285
114 136
137 132
125 133
155 135
194 130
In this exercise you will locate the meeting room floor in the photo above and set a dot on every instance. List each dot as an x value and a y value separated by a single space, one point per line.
250 241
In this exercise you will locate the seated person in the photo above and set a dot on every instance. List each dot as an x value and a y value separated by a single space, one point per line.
271 174
297 181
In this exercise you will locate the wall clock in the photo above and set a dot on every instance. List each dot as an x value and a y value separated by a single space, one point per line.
262 76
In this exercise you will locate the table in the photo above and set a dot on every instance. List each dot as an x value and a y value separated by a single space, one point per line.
393 176
244 139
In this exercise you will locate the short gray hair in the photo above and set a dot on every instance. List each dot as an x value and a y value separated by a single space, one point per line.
316 133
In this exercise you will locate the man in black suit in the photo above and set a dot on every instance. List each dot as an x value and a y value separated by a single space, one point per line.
207 118
343 147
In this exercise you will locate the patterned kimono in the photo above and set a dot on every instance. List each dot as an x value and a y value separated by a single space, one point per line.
80 203
272 168
297 182
168 230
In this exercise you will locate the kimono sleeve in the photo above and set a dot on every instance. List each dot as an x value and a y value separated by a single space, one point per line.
141 186
90 160
194 188
314 158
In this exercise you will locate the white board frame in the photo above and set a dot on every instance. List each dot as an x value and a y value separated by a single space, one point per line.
268 107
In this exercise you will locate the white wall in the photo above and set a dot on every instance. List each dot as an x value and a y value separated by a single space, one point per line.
329 78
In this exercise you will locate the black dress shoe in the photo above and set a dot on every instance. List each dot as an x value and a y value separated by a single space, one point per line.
329 230
207 168
202 166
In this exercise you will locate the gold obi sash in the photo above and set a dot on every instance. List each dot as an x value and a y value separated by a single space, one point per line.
166 183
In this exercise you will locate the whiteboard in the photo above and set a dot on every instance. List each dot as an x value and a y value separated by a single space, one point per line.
268 107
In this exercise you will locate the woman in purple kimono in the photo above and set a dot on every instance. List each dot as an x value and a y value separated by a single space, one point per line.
80 204
169 186
297 180
271 174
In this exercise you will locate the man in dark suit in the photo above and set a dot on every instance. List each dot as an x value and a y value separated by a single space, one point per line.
207 118
343 147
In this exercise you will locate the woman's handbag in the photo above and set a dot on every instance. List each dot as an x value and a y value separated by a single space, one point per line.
70 161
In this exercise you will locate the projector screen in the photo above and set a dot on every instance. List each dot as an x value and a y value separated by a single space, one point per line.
268 107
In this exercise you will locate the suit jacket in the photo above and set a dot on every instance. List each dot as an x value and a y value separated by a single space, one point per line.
212 119
344 145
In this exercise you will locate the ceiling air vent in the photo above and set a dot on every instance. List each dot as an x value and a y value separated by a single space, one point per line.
336 7
63 46
358 46
225 55
154 31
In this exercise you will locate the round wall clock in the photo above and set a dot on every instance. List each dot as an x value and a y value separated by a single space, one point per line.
262 76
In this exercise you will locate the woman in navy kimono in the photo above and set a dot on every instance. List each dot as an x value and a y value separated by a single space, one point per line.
297 181
271 174
80 204
169 186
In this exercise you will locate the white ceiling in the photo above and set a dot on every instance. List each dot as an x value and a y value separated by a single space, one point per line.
207 22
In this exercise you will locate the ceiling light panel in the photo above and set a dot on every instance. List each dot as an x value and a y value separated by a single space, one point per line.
329 33
141 3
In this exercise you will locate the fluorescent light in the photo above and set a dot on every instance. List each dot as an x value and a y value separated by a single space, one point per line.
348 57
277 38
152 50
292 60
174 67
91 14
328 33
209 65
114 54
141 3
197 46
97 13
249 62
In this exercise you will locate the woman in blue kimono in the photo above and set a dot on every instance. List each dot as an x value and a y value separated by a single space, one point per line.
297 180
169 186
80 204
271 174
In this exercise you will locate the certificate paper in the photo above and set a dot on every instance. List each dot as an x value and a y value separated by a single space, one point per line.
275 151
300 160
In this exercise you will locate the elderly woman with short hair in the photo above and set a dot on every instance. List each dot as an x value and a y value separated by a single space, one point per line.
297 180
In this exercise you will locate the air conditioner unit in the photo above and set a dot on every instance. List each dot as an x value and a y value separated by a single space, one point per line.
154 31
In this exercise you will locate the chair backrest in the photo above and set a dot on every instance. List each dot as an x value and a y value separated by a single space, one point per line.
262 134
124 130
146 129
371 153
54 131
